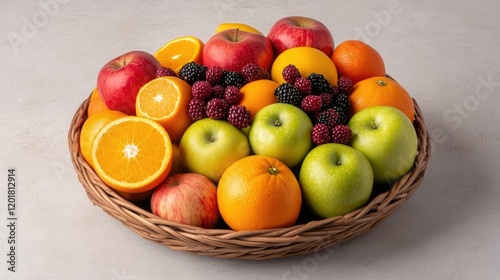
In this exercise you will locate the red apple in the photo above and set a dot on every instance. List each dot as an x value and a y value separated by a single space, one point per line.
232 49
187 198
296 31
120 79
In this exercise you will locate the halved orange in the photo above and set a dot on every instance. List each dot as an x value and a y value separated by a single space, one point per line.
132 154
180 51
166 100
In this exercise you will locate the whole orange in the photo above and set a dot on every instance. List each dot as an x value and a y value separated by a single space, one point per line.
96 103
258 192
376 91
357 61
258 94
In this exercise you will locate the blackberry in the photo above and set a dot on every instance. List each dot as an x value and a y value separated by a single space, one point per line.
214 74
201 90
304 85
232 95
165 71
234 78
321 134
217 109
311 104
218 91
197 109
329 117
253 72
341 100
319 83
290 73
326 100
345 85
287 93
341 134
343 118
192 72
239 116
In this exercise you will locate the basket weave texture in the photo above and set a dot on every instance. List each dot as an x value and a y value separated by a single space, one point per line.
301 239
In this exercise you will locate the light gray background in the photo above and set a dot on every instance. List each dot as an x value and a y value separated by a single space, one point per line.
445 53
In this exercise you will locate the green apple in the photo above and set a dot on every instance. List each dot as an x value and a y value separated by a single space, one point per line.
335 179
388 140
282 131
209 146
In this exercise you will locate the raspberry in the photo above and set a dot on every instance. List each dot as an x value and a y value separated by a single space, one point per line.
341 134
218 91
201 90
217 109
311 103
165 71
192 72
290 73
345 85
321 134
287 93
341 100
239 116
214 75
329 117
319 83
233 78
326 99
232 95
304 85
253 72
197 109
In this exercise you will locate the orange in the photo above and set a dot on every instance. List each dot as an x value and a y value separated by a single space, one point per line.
91 127
235 25
308 60
132 154
166 100
96 103
377 91
176 161
357 61
180 51
258 192
258 94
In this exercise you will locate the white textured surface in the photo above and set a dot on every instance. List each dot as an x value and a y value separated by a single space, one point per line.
445 53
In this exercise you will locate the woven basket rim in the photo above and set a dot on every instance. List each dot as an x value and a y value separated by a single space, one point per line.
299 239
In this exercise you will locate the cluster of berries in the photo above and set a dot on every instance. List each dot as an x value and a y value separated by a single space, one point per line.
216 91
327 105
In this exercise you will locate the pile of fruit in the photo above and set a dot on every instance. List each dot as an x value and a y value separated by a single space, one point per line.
249 131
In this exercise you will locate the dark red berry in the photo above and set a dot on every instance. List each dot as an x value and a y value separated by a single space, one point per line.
197 109
329 117
218 91
232 95
214 75
341 134
320 134
327 100
239 116
304 85
201 90
253 72
311 103
217 109
165 71
290 73
345 85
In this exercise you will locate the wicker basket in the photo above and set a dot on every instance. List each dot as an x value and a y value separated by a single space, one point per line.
309 235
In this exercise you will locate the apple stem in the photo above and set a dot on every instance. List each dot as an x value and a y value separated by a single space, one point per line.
273 170
374 126
236 35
